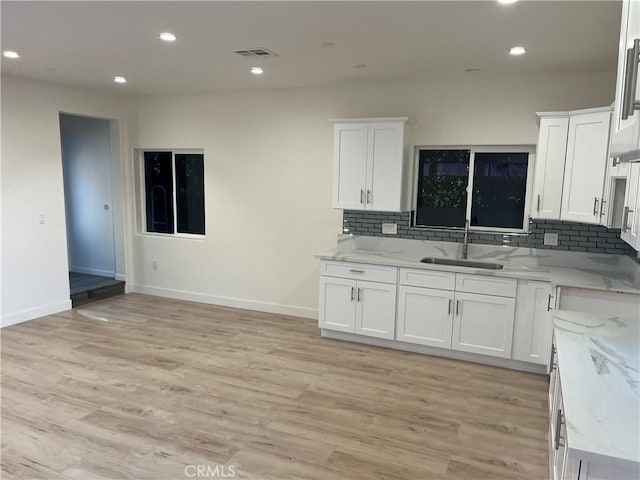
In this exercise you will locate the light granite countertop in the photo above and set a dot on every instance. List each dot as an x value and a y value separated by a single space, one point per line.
577 270
599 365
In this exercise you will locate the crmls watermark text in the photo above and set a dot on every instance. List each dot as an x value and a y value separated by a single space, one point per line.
209 471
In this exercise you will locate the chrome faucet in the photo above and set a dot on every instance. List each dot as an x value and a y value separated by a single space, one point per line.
465 245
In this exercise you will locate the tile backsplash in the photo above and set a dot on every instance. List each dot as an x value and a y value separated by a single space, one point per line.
575 237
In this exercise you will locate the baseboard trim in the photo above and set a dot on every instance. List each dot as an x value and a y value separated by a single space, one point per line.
227 301
435 351
32 313
94 271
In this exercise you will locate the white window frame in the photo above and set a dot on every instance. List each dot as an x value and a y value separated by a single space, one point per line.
530 149
142 198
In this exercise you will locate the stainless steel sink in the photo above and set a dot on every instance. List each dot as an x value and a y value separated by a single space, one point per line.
462 263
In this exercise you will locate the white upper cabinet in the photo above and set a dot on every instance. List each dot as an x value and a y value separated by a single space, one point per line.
571 165
371 165
630 232
349 165
585 167
549 174
625 140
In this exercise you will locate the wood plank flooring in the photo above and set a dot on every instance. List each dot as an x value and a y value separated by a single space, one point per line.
141 387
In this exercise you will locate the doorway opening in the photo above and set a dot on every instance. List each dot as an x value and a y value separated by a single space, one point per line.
88 146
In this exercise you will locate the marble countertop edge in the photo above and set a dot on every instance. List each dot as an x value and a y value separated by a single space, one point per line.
557 276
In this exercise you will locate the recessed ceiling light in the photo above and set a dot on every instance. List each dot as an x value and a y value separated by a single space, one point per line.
360 66
119 79
257 70
167 37
10 54
507 2
517 51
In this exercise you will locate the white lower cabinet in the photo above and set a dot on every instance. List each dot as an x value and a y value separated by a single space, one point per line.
375 309
357 306
480 314
483 324
533 325
337 308
565 463
425 316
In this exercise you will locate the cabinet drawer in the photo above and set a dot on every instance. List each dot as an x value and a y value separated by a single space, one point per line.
428 278
502 287
359 271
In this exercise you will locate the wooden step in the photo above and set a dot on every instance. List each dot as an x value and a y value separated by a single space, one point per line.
98 293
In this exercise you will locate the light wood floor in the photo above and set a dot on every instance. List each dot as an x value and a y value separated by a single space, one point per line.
140 387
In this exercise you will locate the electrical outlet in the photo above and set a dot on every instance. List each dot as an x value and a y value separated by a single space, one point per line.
42 219
154 265
390 228
551 239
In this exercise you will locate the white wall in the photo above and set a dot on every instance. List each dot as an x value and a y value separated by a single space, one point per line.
86 161
268 172
34 278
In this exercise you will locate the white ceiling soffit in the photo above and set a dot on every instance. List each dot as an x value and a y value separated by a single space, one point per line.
87 43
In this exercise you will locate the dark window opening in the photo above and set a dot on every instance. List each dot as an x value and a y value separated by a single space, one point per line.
174 192
496 181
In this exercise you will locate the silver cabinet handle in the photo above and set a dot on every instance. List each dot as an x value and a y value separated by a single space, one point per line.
615 162
457 307
368 196
558 424
352 293
353 270
449 309
629 102
549 303
362 196
625 219
538 204
602 202
358 294
595 206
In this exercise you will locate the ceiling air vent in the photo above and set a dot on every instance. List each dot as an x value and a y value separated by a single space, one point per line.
258 52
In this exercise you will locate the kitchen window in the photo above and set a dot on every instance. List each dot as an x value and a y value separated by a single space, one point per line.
486 185
173 192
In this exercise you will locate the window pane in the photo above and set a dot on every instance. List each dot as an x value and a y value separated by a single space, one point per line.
443 176
190 193
158 181
499 189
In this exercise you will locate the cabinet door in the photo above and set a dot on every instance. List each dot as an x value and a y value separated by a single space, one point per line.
587 148
631 215
384 166
549 169
483 324
376 309
533 327
425 316
349 165
626 132
337 304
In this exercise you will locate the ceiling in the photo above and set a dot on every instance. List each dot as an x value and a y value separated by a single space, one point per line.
88 43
